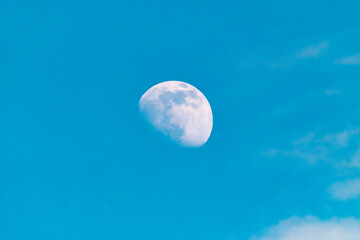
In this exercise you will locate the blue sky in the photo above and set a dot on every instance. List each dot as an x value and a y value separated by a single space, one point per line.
77 162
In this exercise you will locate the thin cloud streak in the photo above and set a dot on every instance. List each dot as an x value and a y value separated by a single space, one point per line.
313 51
333 92
314 148
350 60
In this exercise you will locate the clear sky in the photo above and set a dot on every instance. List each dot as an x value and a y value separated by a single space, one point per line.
77 161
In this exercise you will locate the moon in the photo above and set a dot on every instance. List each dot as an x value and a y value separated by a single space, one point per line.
179 111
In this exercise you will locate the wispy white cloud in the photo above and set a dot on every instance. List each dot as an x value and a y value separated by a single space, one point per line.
340 139
332 92
349 60
314 147
349 189
304 140
289 59
311 228
355 159
313 51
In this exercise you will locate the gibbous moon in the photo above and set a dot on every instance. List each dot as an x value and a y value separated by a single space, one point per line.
179 111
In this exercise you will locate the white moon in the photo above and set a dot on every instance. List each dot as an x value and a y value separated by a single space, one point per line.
179 111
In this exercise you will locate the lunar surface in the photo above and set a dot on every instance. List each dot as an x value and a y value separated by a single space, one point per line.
179 111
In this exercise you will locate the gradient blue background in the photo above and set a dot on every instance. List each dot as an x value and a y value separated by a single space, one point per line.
77 162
